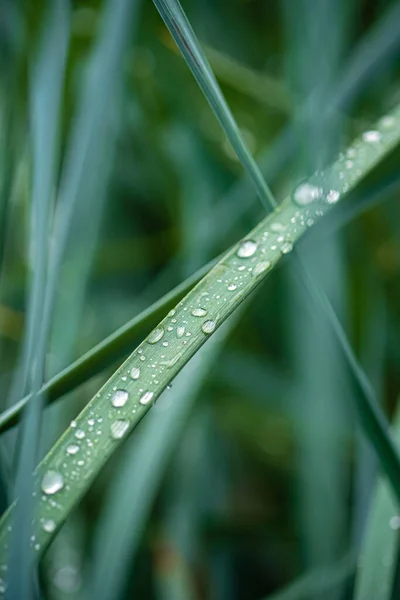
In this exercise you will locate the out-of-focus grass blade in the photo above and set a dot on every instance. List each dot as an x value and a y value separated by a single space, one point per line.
88 164
379 553
132 493
45 100
318 582
259 86
180 29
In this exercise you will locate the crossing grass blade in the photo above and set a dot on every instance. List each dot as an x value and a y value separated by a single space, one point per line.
128 395
184 36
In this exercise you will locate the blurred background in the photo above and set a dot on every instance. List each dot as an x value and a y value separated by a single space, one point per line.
251 471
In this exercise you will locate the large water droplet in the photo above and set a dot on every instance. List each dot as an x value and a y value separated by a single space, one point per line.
208 327
232 287
119 428
199 312
135 373
80 434
52 482
246 249
180 331
306 193
286 247
49 525
261 267
72 448
155 336
119 398
372 136
146 397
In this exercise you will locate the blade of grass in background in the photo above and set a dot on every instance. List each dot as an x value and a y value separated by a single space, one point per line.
320 402
379 554
130 392
132 494
180 29
45 99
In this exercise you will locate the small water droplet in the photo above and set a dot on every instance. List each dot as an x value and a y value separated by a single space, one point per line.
73 424
155 336
135 373
286 247
307 193
119 428
72 448
261 267
180 331
146 397
80 434
171 313
246 249
332 196
372 136
119 398
208 327
52 482
49 525
232 287
199 312
388 121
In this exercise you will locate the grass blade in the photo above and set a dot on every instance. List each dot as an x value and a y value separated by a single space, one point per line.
132 495
130 392
375 576
180 29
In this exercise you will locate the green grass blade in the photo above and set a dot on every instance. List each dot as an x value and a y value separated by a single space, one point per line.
47 77
379 553
318 582
132 495
112 348
128 395
180 29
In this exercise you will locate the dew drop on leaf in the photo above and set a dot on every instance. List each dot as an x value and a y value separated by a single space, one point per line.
135 373
246 249
52 482
119 398
307 193
72 449
208 327
119 428
49 525
199 312
146 397
155 336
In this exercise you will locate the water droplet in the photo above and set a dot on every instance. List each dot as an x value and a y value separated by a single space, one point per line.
52 482
208 327
306 193
332 196
372 136
261 267
395 523
135 373
180 331
119 398
388 122
72 448
199 312
155 336
146 397
246 249
49 525
119 428
277 227
232 287
80 434
171 313
73 424
286 247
